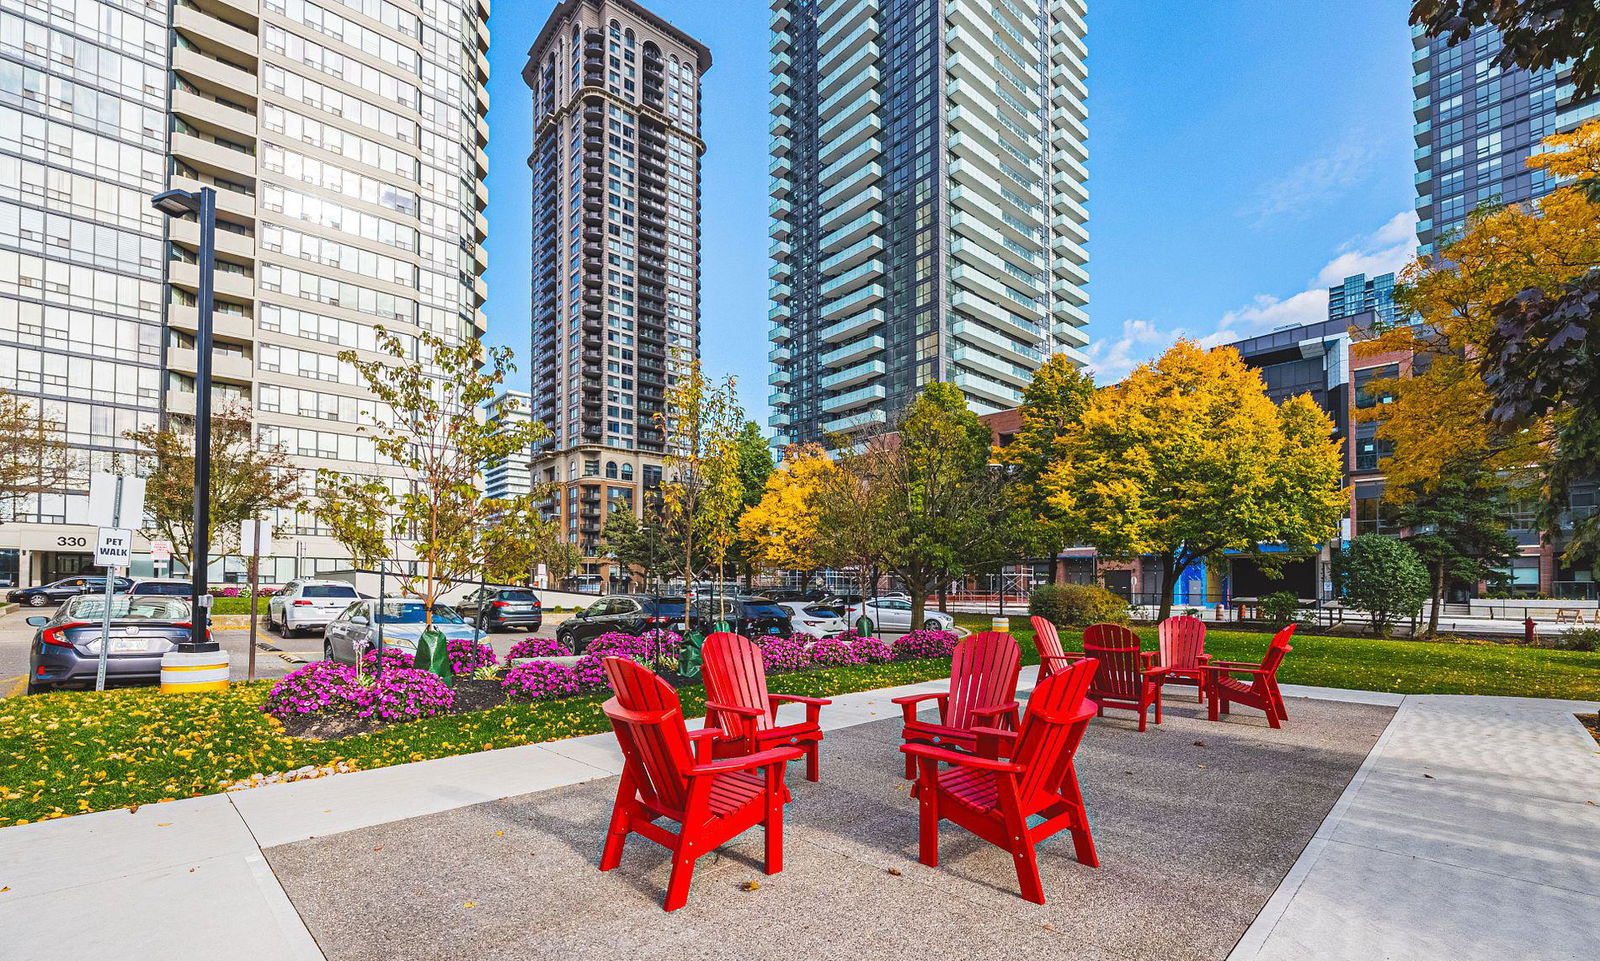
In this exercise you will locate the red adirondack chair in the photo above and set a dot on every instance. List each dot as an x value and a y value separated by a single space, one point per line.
737 703
712 801
1051 657
994 798
1126 678
983 691
1262 690
1183 652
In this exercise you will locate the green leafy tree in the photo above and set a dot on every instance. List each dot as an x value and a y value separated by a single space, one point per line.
1457 527
1052 410
642 546
1383 577
942 499
1188 458
430 427
702 493
33 458
249 477
755 466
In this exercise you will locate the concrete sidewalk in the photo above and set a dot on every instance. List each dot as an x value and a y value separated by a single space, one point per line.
1470 831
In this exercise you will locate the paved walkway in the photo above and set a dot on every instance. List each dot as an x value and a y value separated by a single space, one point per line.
1472 830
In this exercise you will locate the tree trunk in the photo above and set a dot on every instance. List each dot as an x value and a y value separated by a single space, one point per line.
1438 597
1169 577
918 589
944 597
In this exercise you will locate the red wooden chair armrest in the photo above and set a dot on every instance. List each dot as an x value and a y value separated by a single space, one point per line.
1073 654
813 705
751 712
1204 659
1149 655
1050 661
1156 673
1229 667
908 704
996 710
992 741
931 753
640 717
745 720
703 739
776 755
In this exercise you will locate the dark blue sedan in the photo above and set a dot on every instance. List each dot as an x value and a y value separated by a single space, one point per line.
66 647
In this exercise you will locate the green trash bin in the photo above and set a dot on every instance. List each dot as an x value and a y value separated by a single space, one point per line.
689 660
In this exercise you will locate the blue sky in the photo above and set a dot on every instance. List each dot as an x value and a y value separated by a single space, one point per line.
1242 156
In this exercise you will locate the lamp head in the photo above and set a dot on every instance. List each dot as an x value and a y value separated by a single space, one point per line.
176 203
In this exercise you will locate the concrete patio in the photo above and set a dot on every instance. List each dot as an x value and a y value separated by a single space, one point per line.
1470 830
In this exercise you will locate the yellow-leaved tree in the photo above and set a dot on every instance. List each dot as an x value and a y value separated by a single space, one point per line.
1187 458
1437 419
782 530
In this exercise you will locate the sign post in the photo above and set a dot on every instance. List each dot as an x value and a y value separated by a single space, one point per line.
113 500
256 539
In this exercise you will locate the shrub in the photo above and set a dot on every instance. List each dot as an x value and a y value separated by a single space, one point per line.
654 649
541 679
921 644
404 695
538 647
1382 576
590 673
781 653
870 650
401 694
1280 607
833 652
393 658
1077 605
1573 639
325 686
467 656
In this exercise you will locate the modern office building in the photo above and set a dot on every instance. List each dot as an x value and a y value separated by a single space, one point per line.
616 250
1476 126
1360 294
345 140
927 184
512 475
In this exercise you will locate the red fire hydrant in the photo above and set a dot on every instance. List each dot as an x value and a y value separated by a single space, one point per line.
1528 632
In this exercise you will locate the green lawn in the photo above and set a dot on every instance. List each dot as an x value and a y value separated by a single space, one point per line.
77 751
1402 667
238 605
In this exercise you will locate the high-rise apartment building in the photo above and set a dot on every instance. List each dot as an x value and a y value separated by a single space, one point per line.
616 250
345 140
1359 294
512 475
927 188
1476 125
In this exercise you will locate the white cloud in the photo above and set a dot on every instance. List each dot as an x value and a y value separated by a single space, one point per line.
1384 250
1316 181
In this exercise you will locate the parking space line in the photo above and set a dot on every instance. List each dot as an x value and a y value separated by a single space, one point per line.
13 685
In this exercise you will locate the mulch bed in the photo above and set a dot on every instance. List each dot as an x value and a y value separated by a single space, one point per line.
1592 722
472 695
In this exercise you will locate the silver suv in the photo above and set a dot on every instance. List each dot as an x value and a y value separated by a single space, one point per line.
306 604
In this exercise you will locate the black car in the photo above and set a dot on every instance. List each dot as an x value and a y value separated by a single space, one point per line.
624 613
57 591
748 615
502 608
66 647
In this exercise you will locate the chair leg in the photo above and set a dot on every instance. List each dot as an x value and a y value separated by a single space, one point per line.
774 829
928 824
911 767
811 761
682 873
1028 871
617 833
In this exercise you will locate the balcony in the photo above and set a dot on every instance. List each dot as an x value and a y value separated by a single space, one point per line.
862 60
996 342
226 283
780 355
853 232
853 325
852 279
851 376
865 297
852 422
854 351
780 377
863 131
852 399
851 256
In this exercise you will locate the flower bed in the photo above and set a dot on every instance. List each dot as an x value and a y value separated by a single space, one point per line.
921 644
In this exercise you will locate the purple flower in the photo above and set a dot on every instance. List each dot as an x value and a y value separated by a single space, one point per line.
870 650
833 652
784 653
538 647
393 657
401 694
920 644
468 655
541 679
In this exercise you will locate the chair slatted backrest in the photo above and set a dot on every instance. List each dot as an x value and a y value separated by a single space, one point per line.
983 673
735 674
1110 635
1119 662
1051 730
1183 640
1275 652
649 723
1048 642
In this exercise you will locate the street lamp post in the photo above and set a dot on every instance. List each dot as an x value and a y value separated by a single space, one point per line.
202 204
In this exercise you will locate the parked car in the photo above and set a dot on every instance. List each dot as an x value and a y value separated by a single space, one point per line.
66 646
308 605
814 620
165 586
355 630
627 613
894 614
57 591
748 615
502 608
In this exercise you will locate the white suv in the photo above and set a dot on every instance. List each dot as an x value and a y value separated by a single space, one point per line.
308 605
